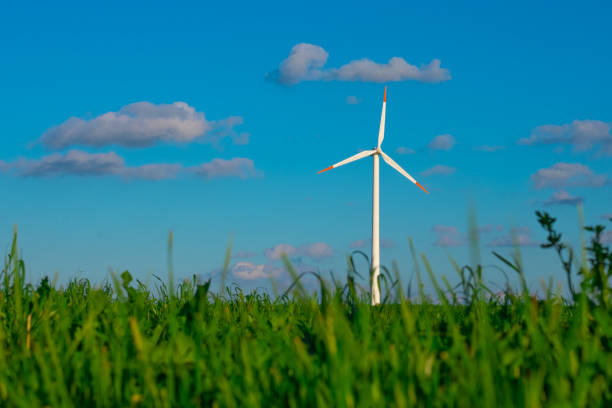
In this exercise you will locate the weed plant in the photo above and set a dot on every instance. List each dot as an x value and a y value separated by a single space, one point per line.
123 344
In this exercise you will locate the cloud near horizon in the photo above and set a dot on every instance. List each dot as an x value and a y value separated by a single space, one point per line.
581 134
562 175
143 124
250 271
81 163
562 197
450 236
279 250
317 251
447 236
518 236
306 63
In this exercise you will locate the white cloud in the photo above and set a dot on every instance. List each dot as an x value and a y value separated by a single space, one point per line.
80 163
442 142
250 271
438 169
75 162
404 150
562 197
581 134
279 250
519 236
225 128
302 64
4 166
562 175
143 124
447 236
236 167
318 250
352 100
397 69
489 149
306 63
360 243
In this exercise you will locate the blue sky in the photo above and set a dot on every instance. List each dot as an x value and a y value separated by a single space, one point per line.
124 122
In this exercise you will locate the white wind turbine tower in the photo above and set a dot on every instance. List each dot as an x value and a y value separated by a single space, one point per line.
375 153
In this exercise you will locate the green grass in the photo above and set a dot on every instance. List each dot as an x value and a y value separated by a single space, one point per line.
122 344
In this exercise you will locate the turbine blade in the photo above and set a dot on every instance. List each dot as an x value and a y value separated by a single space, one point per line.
381 130
403 172
358 156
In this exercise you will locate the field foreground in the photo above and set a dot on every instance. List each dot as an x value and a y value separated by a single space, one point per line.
121 345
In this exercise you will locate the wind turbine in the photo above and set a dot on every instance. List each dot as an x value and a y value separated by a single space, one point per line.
375 153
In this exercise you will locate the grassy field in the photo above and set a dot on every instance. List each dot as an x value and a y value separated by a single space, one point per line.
122 344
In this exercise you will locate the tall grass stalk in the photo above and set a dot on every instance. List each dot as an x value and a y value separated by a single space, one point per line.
124 344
